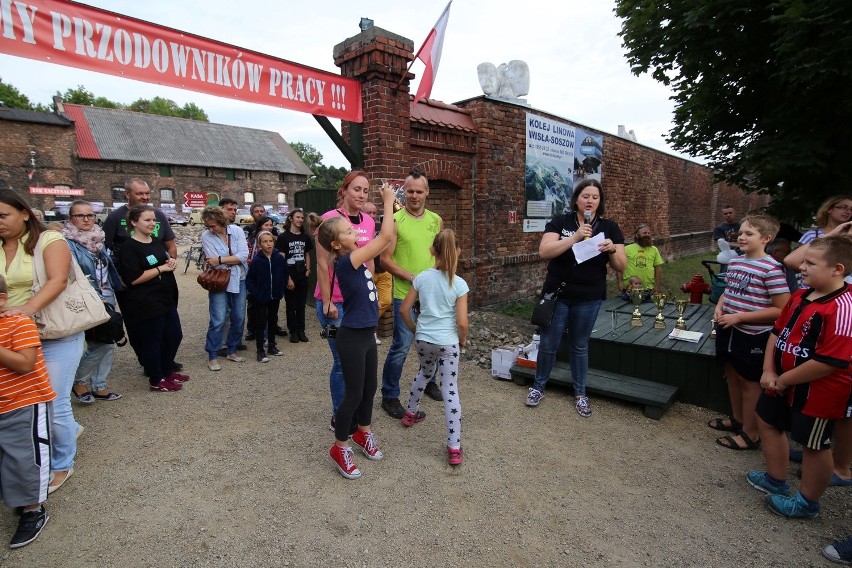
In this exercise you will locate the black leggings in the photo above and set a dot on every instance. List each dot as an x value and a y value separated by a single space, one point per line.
359 363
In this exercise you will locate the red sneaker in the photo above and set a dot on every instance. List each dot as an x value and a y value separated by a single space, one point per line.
342 458
411 418
176 377
367 442
166 386
455 456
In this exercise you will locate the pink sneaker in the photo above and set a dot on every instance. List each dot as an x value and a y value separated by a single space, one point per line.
342 458
166 385
176 377
367 442
455 456
411 418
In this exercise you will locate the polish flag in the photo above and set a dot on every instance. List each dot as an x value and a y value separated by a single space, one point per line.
430 54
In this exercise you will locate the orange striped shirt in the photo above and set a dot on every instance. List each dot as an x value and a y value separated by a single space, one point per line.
18 332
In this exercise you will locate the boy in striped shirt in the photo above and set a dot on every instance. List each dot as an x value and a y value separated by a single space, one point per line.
755 291
24 437
807 381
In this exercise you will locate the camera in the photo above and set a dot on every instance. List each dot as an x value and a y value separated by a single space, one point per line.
328 331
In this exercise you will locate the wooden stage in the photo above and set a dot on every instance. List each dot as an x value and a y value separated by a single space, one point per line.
647 353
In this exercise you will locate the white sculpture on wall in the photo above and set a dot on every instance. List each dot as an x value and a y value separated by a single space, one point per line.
508 81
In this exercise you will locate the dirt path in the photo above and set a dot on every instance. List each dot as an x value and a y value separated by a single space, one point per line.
232 471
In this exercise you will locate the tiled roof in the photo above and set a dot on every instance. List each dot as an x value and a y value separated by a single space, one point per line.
120 135
437 113
21 115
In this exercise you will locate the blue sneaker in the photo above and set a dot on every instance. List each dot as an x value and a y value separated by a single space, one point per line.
791 507
760 481
839 551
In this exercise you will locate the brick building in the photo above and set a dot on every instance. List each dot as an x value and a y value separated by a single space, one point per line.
97 149
474 153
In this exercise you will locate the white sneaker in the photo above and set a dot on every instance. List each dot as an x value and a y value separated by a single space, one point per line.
534 397
378 341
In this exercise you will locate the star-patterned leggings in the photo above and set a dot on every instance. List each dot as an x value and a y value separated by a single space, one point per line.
446 359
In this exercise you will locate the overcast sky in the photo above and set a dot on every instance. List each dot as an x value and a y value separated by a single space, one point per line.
577 65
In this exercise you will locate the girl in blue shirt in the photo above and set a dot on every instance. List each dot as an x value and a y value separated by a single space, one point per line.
441 334
355 341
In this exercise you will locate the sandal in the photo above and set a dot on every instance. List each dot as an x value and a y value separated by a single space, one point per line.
719 424
85 397
107 396
731 443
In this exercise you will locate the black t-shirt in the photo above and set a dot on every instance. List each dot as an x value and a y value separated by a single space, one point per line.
116 234
586 281
295 247
153 297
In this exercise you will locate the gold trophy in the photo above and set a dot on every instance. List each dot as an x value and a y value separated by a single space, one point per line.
681 304
636 294
659 301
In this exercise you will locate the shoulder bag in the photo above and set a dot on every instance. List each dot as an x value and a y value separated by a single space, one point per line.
216 279
542 314
77 308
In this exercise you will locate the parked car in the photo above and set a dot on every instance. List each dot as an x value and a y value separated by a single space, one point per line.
277 218
195 217
175 219
101 217
244 217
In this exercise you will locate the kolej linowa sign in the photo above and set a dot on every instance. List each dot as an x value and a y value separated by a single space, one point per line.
559 155
88 38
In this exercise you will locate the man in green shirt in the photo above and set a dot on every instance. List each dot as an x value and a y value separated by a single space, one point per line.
406 256
644 263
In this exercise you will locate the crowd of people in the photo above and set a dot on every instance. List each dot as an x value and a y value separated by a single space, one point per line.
786 357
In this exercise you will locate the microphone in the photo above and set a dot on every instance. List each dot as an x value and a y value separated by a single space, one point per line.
587 215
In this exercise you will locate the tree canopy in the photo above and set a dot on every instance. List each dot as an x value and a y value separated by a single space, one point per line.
13 98
762 89
325 177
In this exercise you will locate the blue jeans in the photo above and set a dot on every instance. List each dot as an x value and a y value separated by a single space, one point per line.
220 304
576 321
95 365
335 378
402 340
61 357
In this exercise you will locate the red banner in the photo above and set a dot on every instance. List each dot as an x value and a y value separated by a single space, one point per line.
192 199
80 36
55 191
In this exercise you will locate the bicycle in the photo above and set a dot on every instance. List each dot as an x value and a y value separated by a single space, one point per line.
195 253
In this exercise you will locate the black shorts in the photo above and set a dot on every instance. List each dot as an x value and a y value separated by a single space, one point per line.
813 433
744 351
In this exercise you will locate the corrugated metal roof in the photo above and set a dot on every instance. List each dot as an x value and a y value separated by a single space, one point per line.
441 114
137 137
21 115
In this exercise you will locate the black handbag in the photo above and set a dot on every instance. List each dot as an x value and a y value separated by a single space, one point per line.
111 331
542 314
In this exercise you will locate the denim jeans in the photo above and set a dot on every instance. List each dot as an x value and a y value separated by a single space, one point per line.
576 321
220 304
61 357
95 365
335 378
402 340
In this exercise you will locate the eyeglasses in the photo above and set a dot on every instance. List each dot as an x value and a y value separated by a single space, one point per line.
86 216
842 207
211 226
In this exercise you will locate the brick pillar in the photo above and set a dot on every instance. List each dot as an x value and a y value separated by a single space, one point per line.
379 60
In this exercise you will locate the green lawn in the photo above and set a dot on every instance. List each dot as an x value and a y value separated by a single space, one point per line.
675 273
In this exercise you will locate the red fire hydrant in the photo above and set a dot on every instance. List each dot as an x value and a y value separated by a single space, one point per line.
696 288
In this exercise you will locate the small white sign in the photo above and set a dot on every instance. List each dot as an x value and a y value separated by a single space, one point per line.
534 225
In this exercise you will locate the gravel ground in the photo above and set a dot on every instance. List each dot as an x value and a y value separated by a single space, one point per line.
233 471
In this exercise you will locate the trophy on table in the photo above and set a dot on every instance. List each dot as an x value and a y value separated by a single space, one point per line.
636 294
681 304
660 301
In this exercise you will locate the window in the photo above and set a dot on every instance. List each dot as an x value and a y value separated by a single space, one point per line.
230 174
165 171
207 172
248 197
282 199
118 193
247 174
167 195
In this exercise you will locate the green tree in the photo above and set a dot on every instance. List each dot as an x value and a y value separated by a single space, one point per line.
82 96
762 89
325 177
13 98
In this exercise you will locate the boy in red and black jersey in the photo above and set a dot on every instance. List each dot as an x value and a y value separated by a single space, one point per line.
806 377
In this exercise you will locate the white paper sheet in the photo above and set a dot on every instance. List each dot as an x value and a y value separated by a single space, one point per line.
584 250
